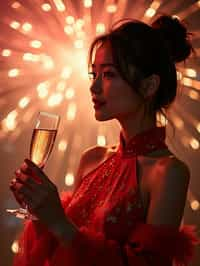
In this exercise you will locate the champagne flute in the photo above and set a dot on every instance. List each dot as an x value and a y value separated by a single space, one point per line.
43 139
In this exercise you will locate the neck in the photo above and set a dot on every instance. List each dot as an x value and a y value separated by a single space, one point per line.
130 127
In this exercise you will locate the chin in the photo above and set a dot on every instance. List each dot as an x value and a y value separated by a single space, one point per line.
103 117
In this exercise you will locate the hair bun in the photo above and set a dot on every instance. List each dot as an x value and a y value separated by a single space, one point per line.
176 36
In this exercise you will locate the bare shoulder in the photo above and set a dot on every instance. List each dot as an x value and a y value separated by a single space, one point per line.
88 161
167 169
168 190
94 153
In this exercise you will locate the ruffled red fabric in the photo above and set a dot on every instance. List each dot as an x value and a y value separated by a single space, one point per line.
147 243
110 220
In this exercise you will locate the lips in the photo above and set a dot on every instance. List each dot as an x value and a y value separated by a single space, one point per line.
98 103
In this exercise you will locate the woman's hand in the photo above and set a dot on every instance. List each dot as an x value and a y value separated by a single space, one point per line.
33 188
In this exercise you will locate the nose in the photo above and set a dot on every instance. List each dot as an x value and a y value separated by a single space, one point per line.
96 86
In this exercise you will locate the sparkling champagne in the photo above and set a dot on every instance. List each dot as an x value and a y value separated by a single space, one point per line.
41 145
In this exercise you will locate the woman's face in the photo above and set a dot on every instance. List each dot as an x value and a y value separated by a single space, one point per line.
112 96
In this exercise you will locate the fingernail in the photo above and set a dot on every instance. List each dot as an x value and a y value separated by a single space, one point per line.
17 172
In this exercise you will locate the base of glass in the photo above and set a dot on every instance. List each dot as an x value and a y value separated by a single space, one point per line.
22 214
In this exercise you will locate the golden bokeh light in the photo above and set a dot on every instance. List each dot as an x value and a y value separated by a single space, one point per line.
101 140
36 44
71 111
46 7
6 52
15 247
112 8
59 5
87 3
23 103
69 179
27 27
15 25
62 146
13 73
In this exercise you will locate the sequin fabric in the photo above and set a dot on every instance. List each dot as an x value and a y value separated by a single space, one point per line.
108 199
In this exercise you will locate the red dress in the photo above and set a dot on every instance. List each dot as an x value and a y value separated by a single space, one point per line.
108 211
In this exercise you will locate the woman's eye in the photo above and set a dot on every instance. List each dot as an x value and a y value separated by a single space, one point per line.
92 75
108 74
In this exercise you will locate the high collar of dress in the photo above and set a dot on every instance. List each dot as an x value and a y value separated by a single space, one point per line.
144 142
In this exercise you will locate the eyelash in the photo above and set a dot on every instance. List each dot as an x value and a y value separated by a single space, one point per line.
108 74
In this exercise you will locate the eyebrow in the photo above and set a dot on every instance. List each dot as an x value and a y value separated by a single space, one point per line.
104 65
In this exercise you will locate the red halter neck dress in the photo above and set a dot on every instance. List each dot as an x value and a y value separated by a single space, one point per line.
108 212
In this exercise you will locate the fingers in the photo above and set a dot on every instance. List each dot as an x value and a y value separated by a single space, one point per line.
39 174
25 179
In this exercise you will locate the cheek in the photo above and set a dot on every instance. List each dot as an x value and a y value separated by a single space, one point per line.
119 95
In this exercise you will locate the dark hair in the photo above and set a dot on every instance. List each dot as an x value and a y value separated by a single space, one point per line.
140 50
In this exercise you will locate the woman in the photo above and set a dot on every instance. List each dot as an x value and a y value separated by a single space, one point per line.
128 201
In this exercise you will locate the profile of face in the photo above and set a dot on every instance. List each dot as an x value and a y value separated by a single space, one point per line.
113 97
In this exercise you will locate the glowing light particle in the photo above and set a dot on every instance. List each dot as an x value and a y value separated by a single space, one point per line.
101 140
187 82
179 75
6 52
71 112
46 7
36 44
61 85
24 102
68 30
195 205
69 94
59 5
69 179
13 73
62 146
42 89
48 62
15 25
16 5
190 72
194 143
100 28
193 94
150 12
79 24
27 27
66 72
55 99
9 123
70 20
112 8
15 247
79 44
87 3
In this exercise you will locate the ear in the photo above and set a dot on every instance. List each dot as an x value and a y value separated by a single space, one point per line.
150 85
